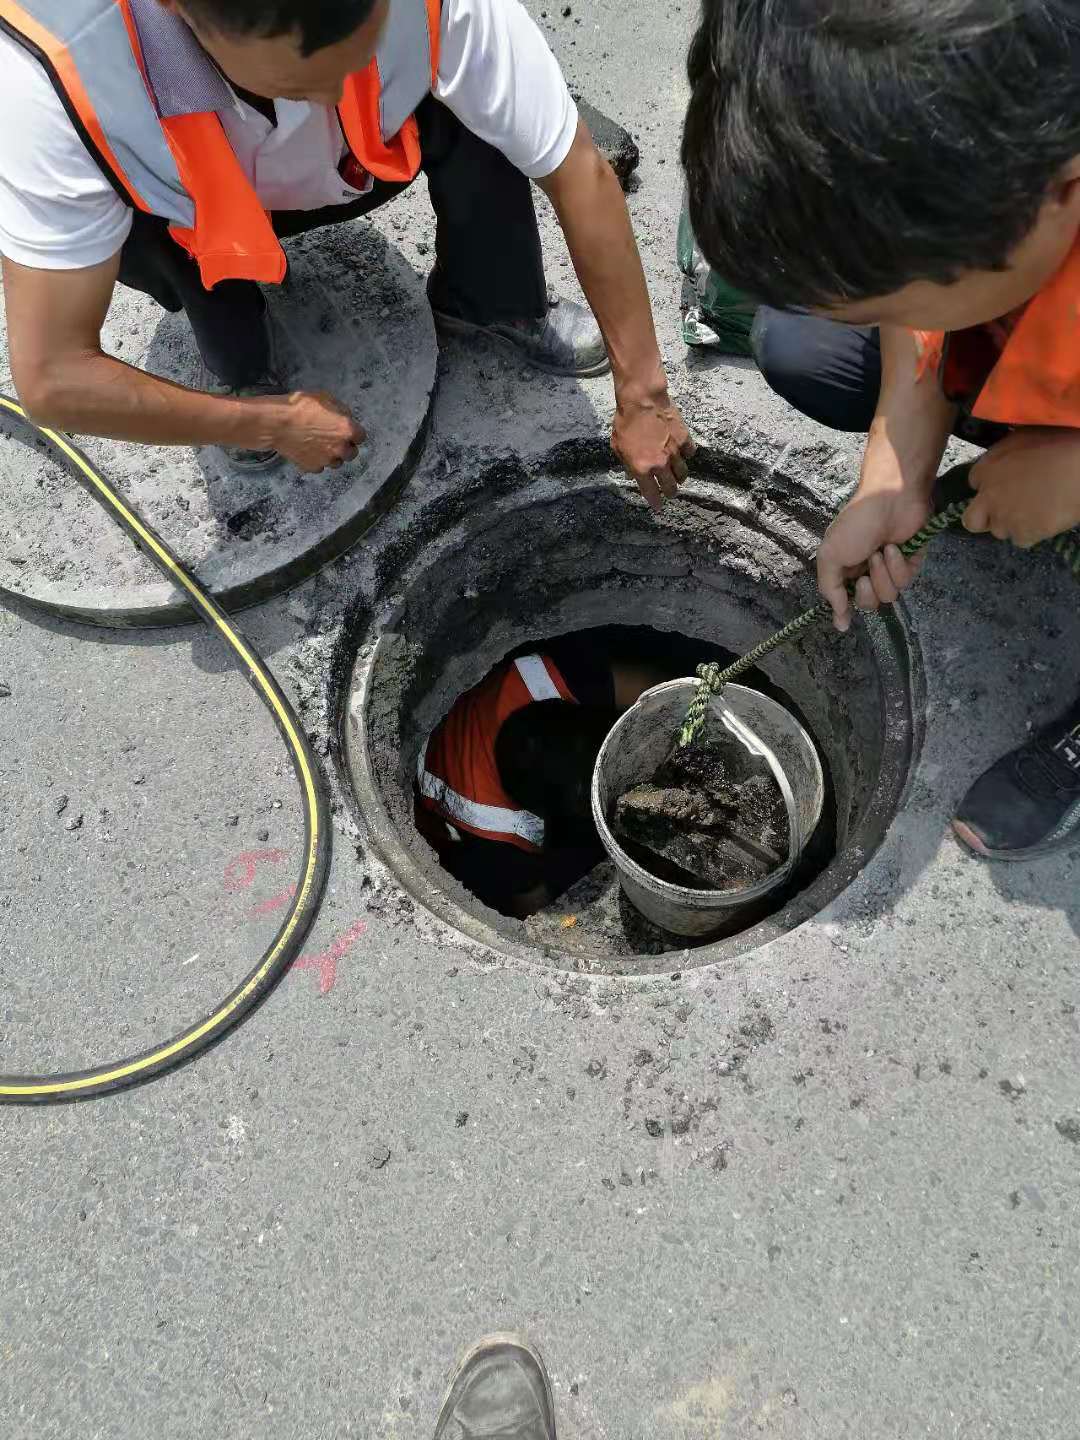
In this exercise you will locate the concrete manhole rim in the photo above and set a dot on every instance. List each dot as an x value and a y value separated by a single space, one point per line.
897 661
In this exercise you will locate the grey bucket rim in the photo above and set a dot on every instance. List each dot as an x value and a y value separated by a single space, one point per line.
718 900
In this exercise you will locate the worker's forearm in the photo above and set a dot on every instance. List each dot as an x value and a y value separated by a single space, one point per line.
598 232
913 421
94 394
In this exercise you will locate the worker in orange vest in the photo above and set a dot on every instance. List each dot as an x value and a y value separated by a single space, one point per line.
908 173
504 784
171 144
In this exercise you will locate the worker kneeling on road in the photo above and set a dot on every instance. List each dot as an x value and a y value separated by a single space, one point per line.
911 170
504 784
171 144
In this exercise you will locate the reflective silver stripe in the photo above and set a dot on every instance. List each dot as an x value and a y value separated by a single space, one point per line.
404 57
494 818
97 40
537 680
184 79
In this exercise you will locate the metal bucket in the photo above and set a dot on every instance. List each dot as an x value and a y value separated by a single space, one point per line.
643 738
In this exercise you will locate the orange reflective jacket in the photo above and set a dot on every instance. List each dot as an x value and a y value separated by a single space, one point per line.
458 778
1025 370
148 114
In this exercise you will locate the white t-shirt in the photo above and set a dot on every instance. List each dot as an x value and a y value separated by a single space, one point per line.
58 211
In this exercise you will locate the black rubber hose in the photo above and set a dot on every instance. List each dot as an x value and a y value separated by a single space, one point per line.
112 1076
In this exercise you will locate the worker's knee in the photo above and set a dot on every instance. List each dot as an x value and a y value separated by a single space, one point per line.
830 372
775 339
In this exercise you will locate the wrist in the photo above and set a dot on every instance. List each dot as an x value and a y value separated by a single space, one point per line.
886 471
645 388
262 421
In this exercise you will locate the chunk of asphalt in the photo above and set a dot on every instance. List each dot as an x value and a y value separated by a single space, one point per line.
614 143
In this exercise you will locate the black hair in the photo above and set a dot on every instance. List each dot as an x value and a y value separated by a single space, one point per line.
315 23
546 754
840 149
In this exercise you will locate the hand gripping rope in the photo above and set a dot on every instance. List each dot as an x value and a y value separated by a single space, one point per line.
711 679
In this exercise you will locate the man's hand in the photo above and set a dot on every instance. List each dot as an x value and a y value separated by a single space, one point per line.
315 432
65 381
862 545
1028 487
652 442
903 451
649 436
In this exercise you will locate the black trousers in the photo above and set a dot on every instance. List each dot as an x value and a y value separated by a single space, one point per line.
488 262
832 372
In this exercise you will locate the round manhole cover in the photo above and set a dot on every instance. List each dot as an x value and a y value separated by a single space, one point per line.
353 319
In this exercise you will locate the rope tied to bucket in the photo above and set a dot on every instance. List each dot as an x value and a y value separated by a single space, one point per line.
712 679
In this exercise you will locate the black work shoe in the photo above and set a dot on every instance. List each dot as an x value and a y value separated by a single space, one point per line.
564 341
1028 804
252 461
500 1391
272 383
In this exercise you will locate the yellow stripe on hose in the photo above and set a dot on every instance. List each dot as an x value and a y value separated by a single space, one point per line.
211 611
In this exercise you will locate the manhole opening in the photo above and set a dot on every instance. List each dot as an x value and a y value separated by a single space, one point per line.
584 886
722 568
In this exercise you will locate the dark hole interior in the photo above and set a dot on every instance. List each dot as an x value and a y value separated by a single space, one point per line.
586 881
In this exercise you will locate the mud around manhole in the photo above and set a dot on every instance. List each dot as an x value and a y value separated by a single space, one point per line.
470 593
352 319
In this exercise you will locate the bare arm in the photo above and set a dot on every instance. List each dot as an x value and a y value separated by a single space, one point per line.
906 442
1028 487
649 435
913 420
67 382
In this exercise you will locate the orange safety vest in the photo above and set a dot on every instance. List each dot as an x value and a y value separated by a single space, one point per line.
149 117
1033 377
457 777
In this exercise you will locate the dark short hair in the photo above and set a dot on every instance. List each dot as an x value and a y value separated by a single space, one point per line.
315 23
840 149
546 754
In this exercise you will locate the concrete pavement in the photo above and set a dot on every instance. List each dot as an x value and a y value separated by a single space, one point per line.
825 1190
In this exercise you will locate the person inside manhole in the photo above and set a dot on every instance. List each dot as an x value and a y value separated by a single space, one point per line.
899 184
171 144
503 790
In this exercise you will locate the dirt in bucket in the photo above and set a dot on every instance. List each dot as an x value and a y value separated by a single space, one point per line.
711 818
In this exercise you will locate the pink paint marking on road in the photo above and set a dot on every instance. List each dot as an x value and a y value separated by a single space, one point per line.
240 875
240 871
327 963
276 902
